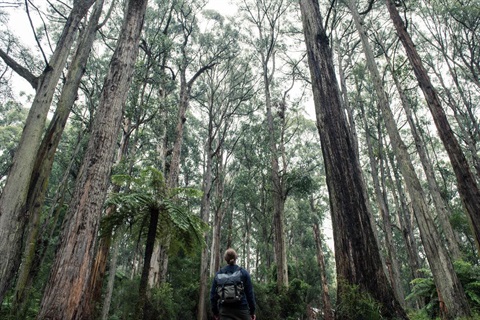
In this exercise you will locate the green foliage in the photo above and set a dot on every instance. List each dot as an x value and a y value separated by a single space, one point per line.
268 301
424 288
357 305
300 182
161 304
288 303
124 299
176 299
12 118
148 192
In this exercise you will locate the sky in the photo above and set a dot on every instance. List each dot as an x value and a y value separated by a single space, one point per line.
20 25
225 7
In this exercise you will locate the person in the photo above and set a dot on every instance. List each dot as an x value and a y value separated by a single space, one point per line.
242 310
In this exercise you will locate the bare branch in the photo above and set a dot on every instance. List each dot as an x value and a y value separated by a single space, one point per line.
19 69
370 5
332 4
199 72
107 16
34 33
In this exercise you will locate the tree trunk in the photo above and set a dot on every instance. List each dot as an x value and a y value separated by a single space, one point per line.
278 188
13 217
205 216
356 251
327 304
48 147
71 271
149 246
466 183
161 250
471 131
103 249
111 281
222 205
405 224
442 268
392 262
440 205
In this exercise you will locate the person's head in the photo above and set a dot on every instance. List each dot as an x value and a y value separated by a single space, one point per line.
230 256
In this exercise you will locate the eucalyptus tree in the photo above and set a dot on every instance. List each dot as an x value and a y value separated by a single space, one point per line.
48 146
378 176
466 183
232 106
71 270
269 19
326 300
192 61
248 179
307 190
356 250
453 32
149 89
446 280
224 92
13 219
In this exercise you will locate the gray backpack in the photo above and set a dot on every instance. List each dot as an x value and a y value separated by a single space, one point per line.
229 286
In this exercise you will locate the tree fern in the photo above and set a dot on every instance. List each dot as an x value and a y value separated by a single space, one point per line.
147 192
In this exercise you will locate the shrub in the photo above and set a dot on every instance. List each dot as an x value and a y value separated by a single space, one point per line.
357 305
287 303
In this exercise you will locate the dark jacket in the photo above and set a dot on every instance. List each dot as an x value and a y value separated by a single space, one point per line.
248 300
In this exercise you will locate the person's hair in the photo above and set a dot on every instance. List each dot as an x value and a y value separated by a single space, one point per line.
230 256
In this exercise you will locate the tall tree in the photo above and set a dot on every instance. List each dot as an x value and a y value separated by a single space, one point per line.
448 284
467 186
228 86
267 17
13 218
356 250
71 270
45 156
440 204
187 18
327 304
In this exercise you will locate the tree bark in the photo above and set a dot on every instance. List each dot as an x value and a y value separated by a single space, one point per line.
111 280
205 215
149 246
103 248
327 304
466 183
444 275
45 156
71 271
356 251
13 217
222 205
392 262
440 204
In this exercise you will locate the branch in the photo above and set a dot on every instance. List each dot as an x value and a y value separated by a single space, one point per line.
34 33
107 16
370 5
20 70
332 4
199 72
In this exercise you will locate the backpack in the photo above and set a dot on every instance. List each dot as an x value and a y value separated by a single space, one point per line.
229 286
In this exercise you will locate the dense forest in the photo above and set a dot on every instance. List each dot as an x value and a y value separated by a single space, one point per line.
334 144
